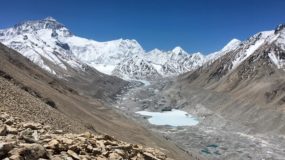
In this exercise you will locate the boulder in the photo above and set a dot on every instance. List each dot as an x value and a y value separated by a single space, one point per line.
115 156
53 144
5 147
73 154
4 116
11 130
58 132
67 141
32 151
31 125
29 135
3 130
9 121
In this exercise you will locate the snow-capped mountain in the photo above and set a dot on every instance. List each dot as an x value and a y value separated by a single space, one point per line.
40 41
136 67
48 39
174 62
157 63
53 47
260 56
104 56
231 46
250 80
273 41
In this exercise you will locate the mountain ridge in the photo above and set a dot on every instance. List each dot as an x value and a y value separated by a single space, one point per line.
48 40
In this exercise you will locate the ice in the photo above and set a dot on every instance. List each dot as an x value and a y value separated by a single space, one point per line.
104 68
172 118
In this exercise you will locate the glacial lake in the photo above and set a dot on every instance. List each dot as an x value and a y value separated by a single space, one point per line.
173 118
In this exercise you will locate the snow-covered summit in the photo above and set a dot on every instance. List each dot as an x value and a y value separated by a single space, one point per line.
178 51
34 26
230 46
233 44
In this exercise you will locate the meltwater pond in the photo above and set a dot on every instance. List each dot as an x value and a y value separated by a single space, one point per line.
172 118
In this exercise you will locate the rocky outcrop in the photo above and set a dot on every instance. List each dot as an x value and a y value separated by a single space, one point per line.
30 141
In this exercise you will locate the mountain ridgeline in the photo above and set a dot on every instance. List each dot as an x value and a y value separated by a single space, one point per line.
56 49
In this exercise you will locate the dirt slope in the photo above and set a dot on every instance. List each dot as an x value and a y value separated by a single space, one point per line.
65 100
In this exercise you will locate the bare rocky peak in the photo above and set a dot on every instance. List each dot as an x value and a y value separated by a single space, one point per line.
279 28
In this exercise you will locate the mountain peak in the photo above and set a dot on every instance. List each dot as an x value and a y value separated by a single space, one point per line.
156 51
199 54
32 26
46 23
178 51
232 44
279 28
50 19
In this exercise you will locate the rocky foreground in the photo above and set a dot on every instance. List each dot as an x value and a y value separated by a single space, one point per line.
31 141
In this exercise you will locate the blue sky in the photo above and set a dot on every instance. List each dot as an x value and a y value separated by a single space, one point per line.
201 25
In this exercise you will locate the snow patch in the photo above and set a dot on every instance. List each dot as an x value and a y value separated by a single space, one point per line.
104 68
276 60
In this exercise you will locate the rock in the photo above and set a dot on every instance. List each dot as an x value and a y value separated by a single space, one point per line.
53 144
47 127
86 135
9 121
15 157
67 141
124 147
96 151
31 125
100 144
149 156
29 136
101 158
5 147
56 157
138 157
120 152
112 143
3 130
58 131
89 149
82 139
30 141
155 152
73 154
74 148
11 138
3 117
36 135
11 130
33 151
115 156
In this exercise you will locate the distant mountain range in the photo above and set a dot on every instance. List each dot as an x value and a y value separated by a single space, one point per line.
54 48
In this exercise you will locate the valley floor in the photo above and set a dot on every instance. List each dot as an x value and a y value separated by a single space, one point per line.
212 138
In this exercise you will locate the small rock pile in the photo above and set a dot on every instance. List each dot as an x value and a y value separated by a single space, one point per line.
34 141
